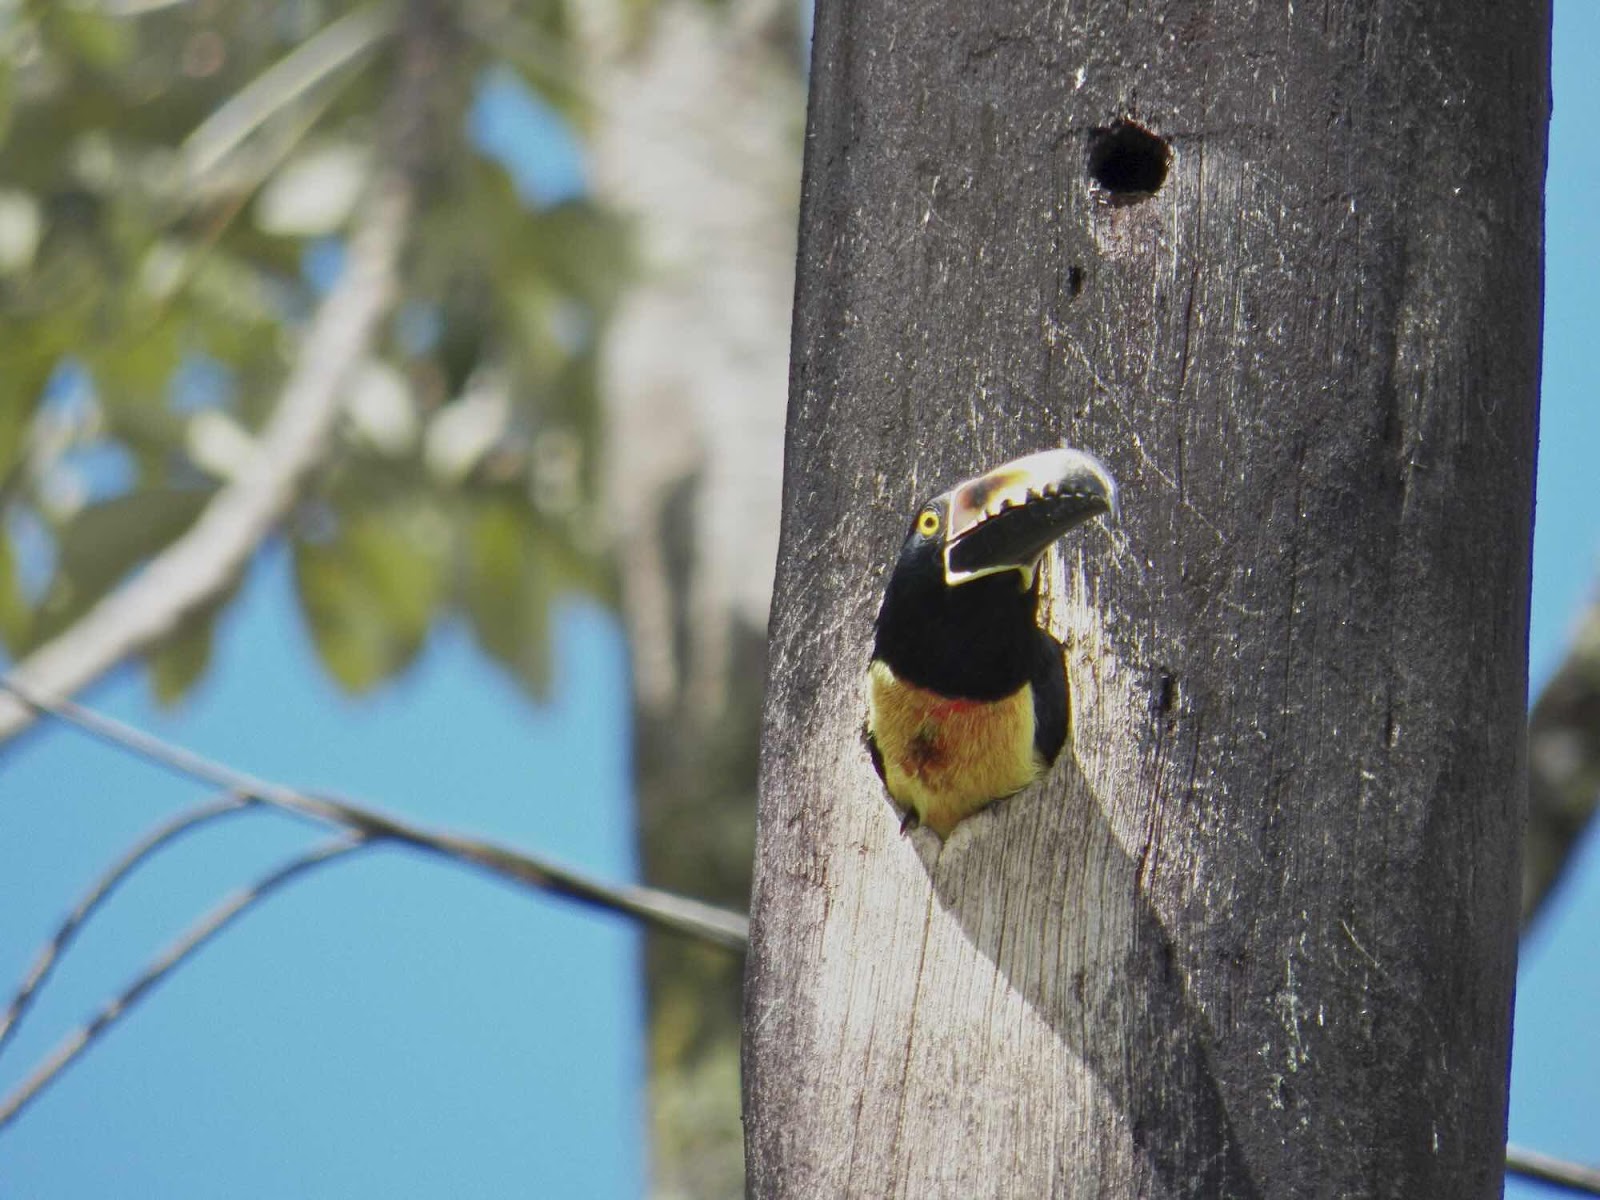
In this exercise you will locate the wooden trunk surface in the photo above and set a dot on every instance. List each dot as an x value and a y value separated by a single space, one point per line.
1254 937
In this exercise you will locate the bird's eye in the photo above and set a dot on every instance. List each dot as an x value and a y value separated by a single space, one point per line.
928 523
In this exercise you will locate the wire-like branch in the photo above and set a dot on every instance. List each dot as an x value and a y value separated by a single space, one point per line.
648 905
197 936
199 566
1563 764
652 906
1530 1164
140 853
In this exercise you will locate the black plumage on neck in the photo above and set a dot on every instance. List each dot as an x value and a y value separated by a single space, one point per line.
976 640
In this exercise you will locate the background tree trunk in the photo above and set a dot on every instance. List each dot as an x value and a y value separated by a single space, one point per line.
1563 765
694 138
1255 935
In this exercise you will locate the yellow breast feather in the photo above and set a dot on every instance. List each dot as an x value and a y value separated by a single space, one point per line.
943 758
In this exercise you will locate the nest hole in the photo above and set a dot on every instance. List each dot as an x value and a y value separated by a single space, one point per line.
1127 161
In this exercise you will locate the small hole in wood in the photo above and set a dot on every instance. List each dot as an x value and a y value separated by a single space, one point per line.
1165 694
1127 161
1075 280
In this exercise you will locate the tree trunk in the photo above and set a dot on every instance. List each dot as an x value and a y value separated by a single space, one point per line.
1255 935
693 138
1563 765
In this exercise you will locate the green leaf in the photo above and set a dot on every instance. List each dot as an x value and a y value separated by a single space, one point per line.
22 383
7 99
507 592
13 608
138 363
370 593
103 542
178 663
98 40
586 251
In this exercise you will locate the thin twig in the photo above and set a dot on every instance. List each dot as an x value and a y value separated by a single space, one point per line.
142 851
197 936
243 190
307 65
136 8
648 905
652 906
1574 1177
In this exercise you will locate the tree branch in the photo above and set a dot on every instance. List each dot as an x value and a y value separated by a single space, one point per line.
1530 1164
200 565
652 906
1563 765
197 936
140 853
305 67
367 826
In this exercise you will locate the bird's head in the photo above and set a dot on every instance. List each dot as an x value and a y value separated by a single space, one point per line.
1005 519
960 608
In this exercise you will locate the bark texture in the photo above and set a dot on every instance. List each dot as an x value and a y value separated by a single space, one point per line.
1255 935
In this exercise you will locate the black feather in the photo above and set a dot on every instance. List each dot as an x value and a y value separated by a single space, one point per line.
976 641
874 753
1052 705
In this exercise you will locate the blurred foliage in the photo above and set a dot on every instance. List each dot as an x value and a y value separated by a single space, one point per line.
175 182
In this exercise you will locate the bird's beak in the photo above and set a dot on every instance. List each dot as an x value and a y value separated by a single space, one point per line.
1005 519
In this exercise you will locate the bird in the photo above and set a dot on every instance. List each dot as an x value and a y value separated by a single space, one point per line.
967 697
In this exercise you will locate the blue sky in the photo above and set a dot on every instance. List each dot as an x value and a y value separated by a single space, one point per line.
1555 1072
389 1027
397 1027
